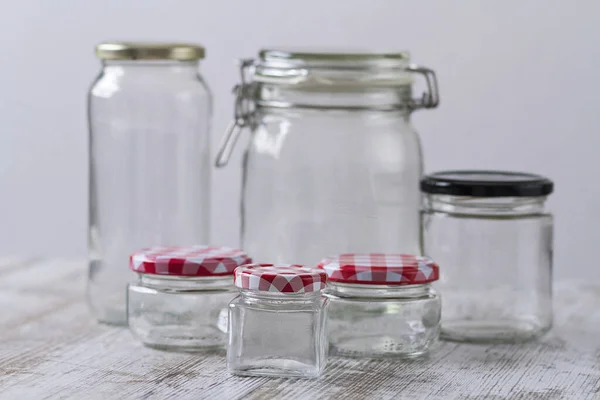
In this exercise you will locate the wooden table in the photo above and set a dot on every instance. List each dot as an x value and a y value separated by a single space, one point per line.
51 348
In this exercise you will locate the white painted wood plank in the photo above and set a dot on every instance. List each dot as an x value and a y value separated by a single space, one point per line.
50 348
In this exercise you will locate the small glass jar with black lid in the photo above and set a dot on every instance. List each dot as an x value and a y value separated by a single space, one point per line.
493 235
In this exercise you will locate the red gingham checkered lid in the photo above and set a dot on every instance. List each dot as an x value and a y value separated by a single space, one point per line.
380 269
280 278
188 261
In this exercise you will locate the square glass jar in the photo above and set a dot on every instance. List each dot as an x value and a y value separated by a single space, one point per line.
277 323
180 300
382 305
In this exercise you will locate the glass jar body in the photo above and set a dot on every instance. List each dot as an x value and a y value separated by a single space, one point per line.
496 255
320 182
382 320
277 334
180 313
149 170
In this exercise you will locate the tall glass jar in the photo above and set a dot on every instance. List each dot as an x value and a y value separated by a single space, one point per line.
334 163
149 116
492 234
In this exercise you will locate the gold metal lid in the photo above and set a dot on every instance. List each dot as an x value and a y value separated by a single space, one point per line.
149 51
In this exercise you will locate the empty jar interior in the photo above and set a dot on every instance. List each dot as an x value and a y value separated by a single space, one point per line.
382 320
188 313
277 335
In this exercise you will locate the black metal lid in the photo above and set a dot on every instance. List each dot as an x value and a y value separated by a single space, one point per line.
487 184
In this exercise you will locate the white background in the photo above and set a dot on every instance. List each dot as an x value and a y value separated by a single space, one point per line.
519 86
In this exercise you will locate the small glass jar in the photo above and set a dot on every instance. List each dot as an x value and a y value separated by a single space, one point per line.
180 301
277 323
491 232
381 305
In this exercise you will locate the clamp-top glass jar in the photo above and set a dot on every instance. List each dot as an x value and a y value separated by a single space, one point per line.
490 231
149 114
382 305
334 163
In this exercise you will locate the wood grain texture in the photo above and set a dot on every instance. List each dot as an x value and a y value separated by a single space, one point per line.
50 348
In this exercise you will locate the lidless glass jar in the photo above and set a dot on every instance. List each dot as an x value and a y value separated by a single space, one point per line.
180 301
149 114
493 236
333 160
277 323
381 305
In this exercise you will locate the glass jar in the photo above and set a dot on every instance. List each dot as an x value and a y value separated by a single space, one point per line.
381 305
277 323
493 236
333 160
180 301
149 162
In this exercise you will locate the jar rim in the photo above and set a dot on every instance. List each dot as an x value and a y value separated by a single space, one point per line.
332 68
352 56
176 283
184 278
378 286
279 295
359 290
